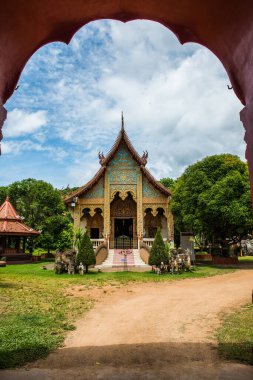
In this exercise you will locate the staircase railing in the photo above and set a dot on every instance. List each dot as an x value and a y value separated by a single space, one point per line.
150 241
124 242
96 243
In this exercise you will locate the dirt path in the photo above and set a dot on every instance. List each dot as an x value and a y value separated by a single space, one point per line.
150 331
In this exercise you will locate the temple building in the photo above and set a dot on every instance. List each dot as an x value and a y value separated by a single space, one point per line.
123 204
13 234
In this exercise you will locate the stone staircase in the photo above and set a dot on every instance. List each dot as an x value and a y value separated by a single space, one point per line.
116 259
138 260
108 261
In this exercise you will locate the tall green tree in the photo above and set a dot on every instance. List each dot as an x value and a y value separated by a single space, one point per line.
86 254
212 197
52 228
168 182
158 251
3 193
43 209
67 191
65 239
36 200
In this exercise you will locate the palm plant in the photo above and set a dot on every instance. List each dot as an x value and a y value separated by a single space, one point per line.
78 236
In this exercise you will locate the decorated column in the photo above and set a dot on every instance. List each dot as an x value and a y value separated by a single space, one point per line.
77 215
139 208
107 229
170 223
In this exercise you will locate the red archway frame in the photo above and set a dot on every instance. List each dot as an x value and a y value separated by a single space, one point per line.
224 27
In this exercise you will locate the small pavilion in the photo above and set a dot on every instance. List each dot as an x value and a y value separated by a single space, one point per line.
13 233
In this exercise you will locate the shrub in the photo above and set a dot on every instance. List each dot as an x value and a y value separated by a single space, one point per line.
158 252
78 235
86 253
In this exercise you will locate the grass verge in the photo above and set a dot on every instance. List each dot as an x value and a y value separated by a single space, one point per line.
35 312
32 271
235 336
245 259
34 316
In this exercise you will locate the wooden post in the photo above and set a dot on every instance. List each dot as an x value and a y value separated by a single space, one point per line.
18 244
24 243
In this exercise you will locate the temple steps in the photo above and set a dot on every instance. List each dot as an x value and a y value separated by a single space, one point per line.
116 259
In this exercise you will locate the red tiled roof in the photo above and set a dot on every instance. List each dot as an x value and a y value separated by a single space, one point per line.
7 211
11 222
122 137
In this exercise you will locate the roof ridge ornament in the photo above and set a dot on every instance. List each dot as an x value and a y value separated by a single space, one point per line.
144 157
101 158
122 122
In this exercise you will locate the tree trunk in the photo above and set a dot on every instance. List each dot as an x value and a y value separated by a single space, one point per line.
87 267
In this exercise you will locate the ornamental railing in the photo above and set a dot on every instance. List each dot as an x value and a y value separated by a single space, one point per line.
124 242
96 243
150 241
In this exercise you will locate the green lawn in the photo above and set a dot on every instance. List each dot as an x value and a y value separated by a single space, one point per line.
236 335
35 313
245 259
32 271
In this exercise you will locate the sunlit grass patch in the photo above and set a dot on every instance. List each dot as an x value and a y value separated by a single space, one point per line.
245 259
33 317
235 336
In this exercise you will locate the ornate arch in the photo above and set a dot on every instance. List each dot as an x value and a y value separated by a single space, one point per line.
225 29
123 191
154 208
92 210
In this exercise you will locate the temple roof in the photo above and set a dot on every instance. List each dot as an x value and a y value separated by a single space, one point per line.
141 161
11 223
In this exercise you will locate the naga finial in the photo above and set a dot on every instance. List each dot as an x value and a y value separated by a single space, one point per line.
101 157
145 157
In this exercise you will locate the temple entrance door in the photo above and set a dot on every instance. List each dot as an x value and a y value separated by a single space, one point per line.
123 223
123 233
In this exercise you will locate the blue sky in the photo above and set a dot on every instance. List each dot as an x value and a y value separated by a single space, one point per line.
68 106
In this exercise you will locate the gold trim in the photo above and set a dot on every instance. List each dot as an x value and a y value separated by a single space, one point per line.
139 206
155 200
91 201
107 206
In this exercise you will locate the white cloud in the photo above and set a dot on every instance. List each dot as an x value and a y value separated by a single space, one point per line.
178 108
20 122
175 99
16 147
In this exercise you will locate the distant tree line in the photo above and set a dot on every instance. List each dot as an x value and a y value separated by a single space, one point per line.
211 199
43 209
